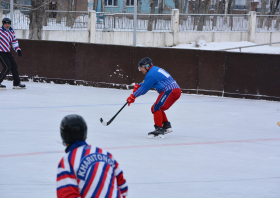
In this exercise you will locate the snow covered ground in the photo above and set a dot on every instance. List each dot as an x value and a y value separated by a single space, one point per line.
220 147
225 45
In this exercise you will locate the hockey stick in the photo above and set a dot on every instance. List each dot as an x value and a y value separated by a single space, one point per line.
278 123
109 122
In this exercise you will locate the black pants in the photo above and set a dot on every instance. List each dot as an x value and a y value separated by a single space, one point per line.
9 64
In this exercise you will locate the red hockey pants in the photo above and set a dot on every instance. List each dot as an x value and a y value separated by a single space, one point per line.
164 101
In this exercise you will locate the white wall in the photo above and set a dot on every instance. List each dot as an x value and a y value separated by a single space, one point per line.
73 35
275 37
58 35
152 39
187 37
267 37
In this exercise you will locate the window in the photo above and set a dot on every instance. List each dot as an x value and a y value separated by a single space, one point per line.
111 2
157 3
130 2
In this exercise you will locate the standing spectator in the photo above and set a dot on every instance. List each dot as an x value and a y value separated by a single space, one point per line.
85 170
8 38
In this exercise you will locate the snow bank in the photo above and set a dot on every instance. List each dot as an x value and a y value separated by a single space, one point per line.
226 45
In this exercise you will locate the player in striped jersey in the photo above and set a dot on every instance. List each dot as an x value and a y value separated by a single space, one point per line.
169 92
86 171
8 38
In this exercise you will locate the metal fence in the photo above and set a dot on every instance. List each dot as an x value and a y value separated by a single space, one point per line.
265 23
66 20
72 20
20 18
213 22
124 22
52 20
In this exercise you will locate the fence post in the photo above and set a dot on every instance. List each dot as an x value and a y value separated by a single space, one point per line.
92 26
1 13
175 25
252 26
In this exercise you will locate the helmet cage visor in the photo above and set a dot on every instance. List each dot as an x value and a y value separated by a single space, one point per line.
143 65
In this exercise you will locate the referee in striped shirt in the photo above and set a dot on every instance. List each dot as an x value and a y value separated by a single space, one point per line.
8 39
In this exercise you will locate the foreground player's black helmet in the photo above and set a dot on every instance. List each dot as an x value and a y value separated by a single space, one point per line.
145 62
73 128
6 20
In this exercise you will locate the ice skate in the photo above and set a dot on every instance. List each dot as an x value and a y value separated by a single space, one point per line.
167 127
2 86
157 133
19 86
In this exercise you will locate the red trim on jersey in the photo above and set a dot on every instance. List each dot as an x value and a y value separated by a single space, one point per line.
103 180
66 176
73 157
120 179
150 67
91 179
110 155
6 38
4 47
116 165
124 191
67 192
120 194
61 163
112 187
88 151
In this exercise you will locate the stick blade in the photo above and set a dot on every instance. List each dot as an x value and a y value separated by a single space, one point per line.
278 123
102 122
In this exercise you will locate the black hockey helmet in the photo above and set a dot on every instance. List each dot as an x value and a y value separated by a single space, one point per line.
145 62
73 128
6 20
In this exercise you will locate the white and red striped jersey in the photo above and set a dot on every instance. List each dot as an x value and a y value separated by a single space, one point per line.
8 38
88 171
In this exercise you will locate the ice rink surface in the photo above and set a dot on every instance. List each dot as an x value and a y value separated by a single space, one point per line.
219 147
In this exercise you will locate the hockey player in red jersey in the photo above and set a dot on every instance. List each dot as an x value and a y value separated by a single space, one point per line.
169 92
86 171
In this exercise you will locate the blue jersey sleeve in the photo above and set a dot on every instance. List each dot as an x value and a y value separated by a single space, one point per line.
146 85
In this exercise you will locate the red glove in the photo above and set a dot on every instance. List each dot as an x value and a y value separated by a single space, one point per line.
136 86
130 99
